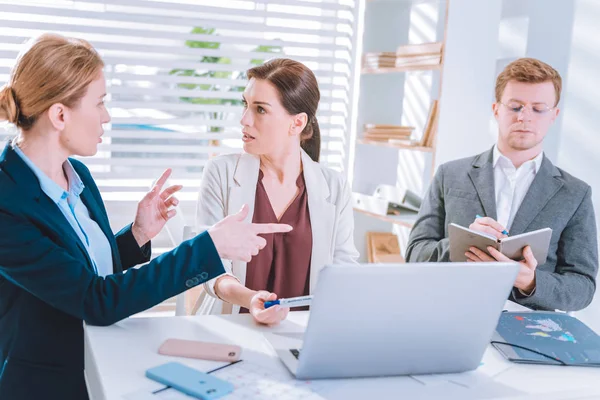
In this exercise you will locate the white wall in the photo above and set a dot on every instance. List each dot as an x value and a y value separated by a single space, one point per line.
579 141
468 80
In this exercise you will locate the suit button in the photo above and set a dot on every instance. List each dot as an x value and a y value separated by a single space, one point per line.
189 283
196 281
203 276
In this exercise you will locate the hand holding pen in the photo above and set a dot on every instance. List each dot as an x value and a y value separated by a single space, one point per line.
490 226
266 315
290 302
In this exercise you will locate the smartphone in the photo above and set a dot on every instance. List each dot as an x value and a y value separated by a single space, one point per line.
201 350
190 381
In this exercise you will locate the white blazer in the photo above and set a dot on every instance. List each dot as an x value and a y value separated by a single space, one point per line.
229 182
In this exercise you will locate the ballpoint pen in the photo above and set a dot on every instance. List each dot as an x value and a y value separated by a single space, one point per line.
504 232
291 302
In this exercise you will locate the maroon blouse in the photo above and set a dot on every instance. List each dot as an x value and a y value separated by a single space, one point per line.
283 266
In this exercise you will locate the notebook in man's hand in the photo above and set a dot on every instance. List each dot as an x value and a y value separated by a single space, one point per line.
461 239
545 337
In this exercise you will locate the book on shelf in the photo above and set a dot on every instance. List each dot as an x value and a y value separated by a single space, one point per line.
383 132
412 55
419 55
387 126
419 60
389 132
405 142
379 60
412 50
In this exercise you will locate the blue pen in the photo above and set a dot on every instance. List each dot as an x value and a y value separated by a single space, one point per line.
504 232
291 302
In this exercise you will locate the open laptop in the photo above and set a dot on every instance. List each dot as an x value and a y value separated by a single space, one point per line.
398 319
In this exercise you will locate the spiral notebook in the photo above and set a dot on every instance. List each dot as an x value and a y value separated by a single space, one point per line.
545 337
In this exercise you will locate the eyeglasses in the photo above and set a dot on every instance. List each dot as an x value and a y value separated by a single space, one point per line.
537 108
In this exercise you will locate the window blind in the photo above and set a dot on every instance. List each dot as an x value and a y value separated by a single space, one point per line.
175 70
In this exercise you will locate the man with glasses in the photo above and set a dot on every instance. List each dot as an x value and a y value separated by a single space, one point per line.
512 189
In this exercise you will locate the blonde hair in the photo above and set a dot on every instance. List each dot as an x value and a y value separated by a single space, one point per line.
53 69
528 70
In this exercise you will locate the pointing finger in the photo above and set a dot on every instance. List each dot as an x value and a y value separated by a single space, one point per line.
169 191
163 178
271 228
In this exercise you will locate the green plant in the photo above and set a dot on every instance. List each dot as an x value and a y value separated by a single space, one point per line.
192 99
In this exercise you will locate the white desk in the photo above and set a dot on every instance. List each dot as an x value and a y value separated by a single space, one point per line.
118 356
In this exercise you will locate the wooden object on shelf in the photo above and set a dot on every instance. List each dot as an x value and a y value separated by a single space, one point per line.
383 247
430 126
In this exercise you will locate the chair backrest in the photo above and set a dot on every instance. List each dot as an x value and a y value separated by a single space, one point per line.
178 231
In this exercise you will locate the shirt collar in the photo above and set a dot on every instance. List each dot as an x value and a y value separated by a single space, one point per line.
48 186
497 155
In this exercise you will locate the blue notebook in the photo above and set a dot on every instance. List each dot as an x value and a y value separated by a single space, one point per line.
541 337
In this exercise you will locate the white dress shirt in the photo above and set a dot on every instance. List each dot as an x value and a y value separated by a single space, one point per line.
511 184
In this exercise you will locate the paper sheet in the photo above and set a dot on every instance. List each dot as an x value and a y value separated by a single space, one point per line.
251 381
491 366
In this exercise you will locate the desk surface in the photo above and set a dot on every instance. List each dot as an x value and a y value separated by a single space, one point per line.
118 356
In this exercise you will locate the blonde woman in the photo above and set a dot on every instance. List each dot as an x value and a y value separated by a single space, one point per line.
278 179
60 264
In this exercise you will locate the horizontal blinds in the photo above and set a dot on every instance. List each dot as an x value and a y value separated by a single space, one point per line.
175 71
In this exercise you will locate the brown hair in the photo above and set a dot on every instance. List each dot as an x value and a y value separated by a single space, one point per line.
53 69
528 70
299 93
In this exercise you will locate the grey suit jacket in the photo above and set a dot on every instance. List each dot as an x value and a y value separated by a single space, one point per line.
463 188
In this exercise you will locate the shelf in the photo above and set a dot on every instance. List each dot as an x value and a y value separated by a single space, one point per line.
407 220
406 68
395 145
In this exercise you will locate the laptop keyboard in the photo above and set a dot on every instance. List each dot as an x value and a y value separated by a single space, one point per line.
295 353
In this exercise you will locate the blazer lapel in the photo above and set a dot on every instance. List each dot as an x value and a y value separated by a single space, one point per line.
102 220
544 186
482 176
52 216
322 216
46 211
243 191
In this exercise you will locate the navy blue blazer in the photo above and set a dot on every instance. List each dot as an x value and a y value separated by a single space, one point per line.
48 287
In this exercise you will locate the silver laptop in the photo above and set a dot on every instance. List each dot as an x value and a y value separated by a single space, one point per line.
398 319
